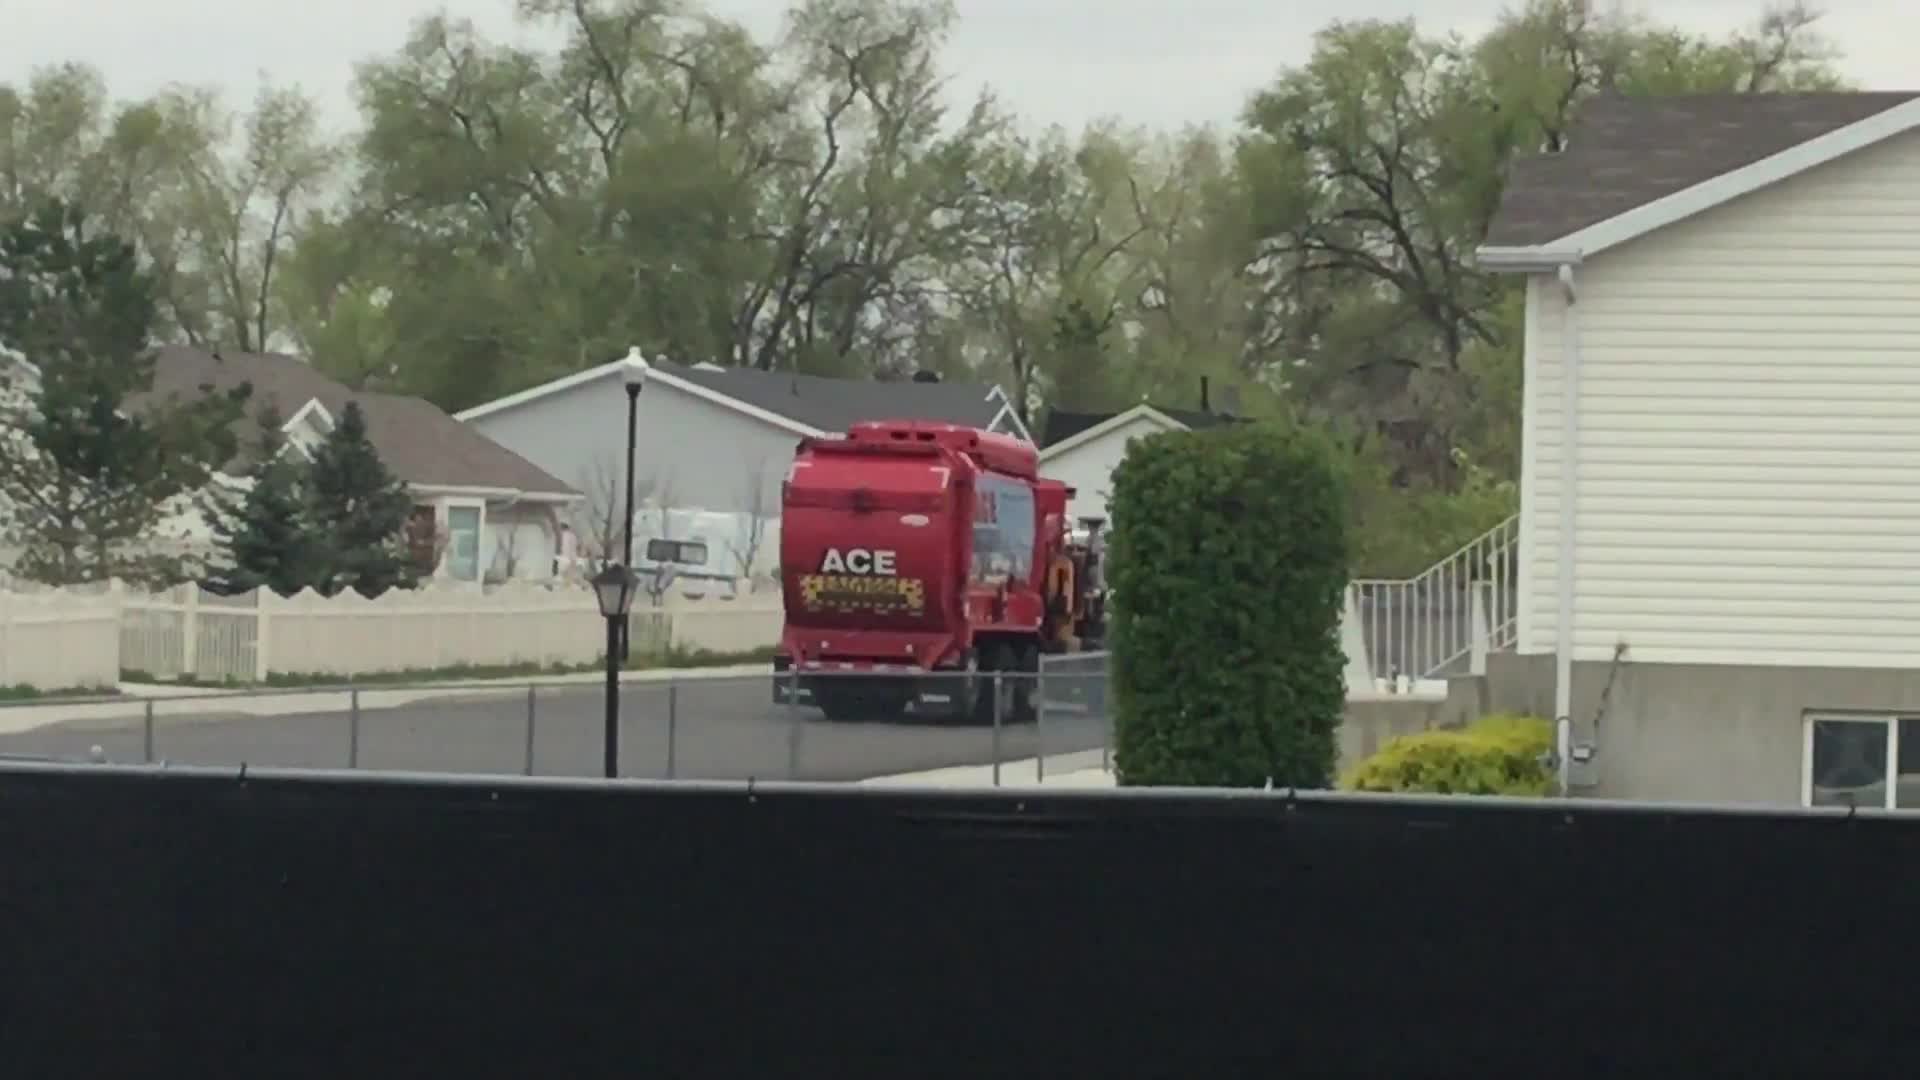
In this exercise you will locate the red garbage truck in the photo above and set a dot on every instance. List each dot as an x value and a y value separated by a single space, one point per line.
917 560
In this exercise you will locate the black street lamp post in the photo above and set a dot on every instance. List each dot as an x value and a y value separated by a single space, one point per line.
613 587
633 373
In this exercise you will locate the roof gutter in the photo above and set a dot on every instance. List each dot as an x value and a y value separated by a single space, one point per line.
459 491
1525 260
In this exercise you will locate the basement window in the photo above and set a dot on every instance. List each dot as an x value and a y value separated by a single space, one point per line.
1861 760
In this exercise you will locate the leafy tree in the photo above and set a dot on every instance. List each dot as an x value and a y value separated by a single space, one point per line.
241 210
1052 225
92 465
266 531
1198 309
1370 174
359 512
212 222
1082 359
1228 566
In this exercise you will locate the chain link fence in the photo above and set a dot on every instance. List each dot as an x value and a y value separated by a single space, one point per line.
1073 698
947 728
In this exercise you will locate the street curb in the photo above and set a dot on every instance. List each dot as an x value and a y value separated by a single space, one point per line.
140 691
131 707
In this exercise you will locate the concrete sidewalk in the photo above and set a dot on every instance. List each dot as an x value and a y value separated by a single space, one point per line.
170 701
1076 770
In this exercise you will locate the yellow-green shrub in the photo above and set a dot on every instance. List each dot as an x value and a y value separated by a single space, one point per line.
1501 754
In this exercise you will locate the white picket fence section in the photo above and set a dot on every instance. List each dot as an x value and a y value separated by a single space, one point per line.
61 638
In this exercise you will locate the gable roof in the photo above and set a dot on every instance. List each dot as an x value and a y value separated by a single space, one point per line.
808 405
419 442
1066 430
833 405
1062 424
1635 164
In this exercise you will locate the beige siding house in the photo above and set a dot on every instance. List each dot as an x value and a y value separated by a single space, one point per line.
1723 324
488 512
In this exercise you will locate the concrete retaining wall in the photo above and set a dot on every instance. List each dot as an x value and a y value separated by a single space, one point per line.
1694 732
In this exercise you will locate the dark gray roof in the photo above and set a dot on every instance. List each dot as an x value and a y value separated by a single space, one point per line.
1062 425
1625 152
835 404
418 441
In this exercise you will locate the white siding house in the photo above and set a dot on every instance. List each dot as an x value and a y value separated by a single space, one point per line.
1086 461
1082 449
1748 430
1735 361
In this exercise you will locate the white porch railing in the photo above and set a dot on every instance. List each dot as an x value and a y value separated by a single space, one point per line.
1425 627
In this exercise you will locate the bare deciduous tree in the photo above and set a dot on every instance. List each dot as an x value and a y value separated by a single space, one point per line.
598 524
755 505
506 554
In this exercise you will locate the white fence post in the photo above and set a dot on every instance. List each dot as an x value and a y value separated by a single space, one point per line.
1353 640
1481 628
263 600
117 589
6 633
190 631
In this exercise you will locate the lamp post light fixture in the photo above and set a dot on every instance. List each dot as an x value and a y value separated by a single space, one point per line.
614 587
633 375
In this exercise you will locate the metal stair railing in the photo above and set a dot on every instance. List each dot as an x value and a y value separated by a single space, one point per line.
1424 627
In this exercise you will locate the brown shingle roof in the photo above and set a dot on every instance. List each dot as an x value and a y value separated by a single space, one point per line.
423 445
416 439
1625 152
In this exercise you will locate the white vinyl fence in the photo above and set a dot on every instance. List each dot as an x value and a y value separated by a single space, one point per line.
61 638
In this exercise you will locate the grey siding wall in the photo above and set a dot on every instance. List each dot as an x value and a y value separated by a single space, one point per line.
693 453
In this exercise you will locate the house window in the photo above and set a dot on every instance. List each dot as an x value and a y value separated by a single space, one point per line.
463 543
1863 761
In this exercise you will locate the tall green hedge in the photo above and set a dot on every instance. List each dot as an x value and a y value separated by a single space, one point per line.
1228 564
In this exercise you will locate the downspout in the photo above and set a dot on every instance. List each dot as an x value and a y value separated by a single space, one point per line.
1569 496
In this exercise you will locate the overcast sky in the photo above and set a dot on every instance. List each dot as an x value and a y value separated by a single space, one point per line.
1158 62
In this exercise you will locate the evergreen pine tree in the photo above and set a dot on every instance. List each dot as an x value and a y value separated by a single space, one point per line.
359 512
264 531
89 480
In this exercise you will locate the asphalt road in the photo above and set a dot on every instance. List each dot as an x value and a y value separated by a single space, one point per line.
720 729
